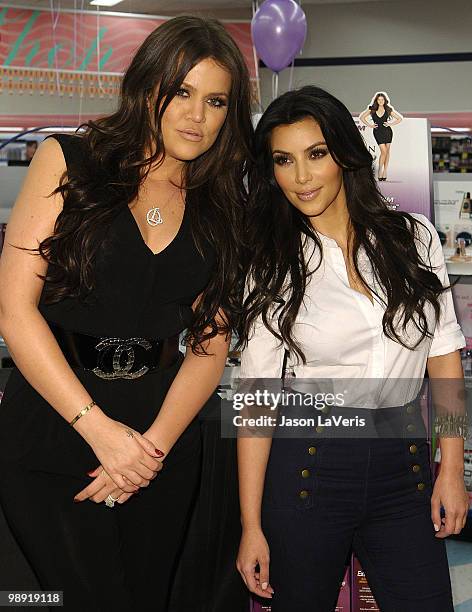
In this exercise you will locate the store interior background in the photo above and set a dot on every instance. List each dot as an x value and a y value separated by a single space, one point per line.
419 51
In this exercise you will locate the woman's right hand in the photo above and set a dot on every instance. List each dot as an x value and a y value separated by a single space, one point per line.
254 550
130 459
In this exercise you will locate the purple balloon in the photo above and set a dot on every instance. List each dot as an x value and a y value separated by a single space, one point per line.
278 32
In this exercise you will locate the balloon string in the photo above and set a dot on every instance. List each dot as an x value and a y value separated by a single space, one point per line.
275 85
290 80
256 61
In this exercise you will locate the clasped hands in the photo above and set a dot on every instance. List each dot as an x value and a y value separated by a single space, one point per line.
128 461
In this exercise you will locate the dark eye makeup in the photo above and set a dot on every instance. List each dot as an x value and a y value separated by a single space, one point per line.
315 153
216 102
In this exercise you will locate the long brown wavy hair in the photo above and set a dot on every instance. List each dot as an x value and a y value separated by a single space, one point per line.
375 104
115 165
275 261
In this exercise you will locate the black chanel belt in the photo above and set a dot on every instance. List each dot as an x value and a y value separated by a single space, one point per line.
111 358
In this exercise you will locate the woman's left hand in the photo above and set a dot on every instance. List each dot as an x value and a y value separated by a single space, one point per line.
450 492
386 124
100 488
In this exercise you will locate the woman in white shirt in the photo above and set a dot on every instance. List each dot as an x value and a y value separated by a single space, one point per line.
349 296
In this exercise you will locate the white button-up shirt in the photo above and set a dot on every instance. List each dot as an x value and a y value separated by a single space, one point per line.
340 330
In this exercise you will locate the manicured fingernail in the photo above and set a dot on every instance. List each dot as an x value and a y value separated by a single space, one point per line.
76 501
90 473
264 586
436 528
159 453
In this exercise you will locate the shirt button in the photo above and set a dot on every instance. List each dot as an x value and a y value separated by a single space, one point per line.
420 486
413 449
305 473
416 468
303 494
312 450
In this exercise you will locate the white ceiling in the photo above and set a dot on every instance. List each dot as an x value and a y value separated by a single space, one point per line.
220 8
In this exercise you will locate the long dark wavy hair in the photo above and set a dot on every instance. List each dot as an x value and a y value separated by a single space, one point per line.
115 165
276 263
375 104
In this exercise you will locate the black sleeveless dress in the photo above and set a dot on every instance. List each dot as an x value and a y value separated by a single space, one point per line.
126 557
382 134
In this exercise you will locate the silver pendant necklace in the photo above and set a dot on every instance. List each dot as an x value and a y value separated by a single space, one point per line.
154 217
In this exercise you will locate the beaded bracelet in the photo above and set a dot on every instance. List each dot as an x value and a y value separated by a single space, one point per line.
451 426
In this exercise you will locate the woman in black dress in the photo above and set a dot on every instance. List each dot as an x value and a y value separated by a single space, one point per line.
121 238
382 116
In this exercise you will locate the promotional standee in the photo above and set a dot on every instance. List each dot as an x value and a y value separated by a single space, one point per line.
403 165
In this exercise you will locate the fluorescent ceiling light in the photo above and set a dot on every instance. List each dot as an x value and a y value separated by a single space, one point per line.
105 2
438 130
57 129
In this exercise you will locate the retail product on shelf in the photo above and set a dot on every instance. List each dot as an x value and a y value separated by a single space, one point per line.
452 153
453 220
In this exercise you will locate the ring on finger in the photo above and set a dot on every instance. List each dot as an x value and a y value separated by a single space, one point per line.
110 501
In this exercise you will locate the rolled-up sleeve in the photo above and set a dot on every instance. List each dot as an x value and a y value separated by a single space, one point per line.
448 336
263 356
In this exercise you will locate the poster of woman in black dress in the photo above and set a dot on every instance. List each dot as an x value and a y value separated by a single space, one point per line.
381 116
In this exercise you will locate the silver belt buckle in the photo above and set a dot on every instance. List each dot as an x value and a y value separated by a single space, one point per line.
120 346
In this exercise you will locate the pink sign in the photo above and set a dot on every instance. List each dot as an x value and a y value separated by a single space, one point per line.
362 597
84 41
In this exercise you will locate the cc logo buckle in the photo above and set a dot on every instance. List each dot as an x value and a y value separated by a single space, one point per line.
120 346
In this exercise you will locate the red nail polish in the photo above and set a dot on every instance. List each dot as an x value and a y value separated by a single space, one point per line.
90 473
159 453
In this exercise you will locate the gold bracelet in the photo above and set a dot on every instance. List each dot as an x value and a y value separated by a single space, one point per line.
82 412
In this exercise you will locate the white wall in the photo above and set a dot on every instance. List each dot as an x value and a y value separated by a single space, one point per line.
395 27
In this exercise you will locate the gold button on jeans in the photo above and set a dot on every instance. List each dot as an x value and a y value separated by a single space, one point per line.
312 450
305 473
410 409
303 494
410 427
413 449
416 468
420 486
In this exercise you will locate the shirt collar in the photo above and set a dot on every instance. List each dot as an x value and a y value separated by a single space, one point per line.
326 241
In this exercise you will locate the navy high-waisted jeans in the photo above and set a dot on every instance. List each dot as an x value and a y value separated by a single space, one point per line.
324 496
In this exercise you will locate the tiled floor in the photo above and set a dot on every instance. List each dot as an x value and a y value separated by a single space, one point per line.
460 563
